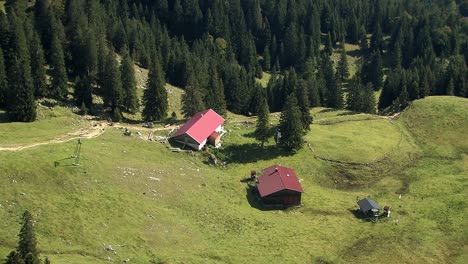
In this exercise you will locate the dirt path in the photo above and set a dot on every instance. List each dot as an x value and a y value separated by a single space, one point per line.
93 131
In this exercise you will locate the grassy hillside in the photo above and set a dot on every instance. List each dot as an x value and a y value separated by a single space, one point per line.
150 203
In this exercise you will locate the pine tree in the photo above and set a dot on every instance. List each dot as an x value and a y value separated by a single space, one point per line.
262 130
113 92
192 99
59 77
303 102
215 98
83 92
342 70
450 87
3 81
20 92
368 104
27 239
14 258
354 98
37 66
129 84
403 98
155 94
329 45
266 58
291 127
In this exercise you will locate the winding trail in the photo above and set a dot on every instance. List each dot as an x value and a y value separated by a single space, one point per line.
94 131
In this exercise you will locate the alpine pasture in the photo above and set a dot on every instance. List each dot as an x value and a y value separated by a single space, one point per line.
151 204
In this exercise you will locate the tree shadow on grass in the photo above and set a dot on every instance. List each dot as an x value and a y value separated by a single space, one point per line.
252 152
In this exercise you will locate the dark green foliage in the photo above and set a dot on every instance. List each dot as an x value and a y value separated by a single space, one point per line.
155 95
58 87
303 103
360 98
291 127
46 260
3 81
262 129
20 92
14 258
192 99
403 98
214 98
127 69
38 66
112 83
333 92
342 70
83 92
27 244
372 70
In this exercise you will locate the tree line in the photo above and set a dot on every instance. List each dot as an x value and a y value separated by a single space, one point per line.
215 49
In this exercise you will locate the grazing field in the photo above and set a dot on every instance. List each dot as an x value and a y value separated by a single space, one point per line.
151 204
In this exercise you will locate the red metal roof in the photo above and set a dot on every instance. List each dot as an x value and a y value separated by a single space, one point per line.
201 125
277 178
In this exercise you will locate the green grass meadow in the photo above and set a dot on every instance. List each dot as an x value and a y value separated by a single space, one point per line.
152 204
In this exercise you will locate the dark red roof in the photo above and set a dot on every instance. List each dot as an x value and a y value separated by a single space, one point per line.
215 135
277 178
201 125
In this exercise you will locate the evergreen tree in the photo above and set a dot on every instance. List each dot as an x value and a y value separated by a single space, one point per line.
58 76
113 92
342 70
291 127
14 258
354 98
450 88
303 102
328 45
3 81
403 98
192 99
129 84
46 260
27 244
20 92
37 66
215 98
266 58
262 130
155 94
368 104
83 92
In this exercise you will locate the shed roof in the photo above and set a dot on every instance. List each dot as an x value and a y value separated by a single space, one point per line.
368 204
277 178
201 125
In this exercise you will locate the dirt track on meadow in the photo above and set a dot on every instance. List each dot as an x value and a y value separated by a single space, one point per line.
95 130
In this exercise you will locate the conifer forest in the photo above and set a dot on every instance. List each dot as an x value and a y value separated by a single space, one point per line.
214 50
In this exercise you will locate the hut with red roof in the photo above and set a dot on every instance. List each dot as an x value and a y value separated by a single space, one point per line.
205 126
279 186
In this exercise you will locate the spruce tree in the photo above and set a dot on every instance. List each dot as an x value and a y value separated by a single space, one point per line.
27 244
342 70
83 92
303 101
192 99
129 84
20 92
58 76
291 127
14 258
3 81
354 98
38 66
155 95
368 104
215 98
262 130
328 45
403 98
113 92
450 87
